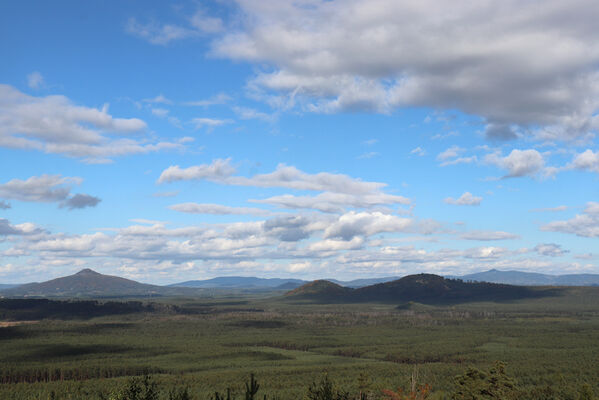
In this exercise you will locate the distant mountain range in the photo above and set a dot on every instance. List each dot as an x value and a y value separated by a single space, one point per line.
7 286
422 288
531 278
241 282
88 283
244 282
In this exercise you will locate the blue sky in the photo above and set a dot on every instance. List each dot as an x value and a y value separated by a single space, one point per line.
167 142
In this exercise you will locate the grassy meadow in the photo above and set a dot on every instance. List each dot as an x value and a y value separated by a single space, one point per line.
550 346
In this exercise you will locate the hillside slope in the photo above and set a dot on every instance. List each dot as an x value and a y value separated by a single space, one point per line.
85 283
423 288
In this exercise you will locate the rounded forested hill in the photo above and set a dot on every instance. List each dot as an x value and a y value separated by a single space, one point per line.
423 288
320 290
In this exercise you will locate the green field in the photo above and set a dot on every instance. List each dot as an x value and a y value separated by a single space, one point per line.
550 345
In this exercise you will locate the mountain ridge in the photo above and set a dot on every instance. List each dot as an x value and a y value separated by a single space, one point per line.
422 288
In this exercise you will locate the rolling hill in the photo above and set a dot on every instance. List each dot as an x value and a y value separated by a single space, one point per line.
532 278
321 290
241 282
422 288
85 283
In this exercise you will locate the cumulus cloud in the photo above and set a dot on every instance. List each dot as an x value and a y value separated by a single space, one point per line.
47 189
216 209
488 235
54 124
284 176
550 249
518 163
534 70
451 152
7 229
466 199
4 205
585 224
354 224
587 160
451 156
80 201
334 202
44 188
218 170
20 229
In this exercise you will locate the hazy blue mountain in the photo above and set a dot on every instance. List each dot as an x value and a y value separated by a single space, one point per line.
247 282
88 283
422 288
7 286
531 278
240 282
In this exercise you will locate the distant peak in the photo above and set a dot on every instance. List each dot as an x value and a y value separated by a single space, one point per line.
87 271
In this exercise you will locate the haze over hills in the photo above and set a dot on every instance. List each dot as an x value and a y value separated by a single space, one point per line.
248 282
6 286
531 278
423 288
240 282
86 283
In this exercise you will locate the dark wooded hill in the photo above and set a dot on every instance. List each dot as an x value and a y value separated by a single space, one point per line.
86 283
422 288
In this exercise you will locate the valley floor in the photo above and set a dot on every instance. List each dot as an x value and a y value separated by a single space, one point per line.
210 345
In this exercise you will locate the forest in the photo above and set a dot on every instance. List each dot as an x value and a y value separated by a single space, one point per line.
244 347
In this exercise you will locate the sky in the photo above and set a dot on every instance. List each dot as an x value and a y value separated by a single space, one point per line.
169 141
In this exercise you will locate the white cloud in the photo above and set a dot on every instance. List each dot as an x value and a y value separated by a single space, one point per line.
419 151
156 33
35 80
47 189
205 23
160 99
466 199
588 160
354 224
162 34
44 188
488 235
160 112
550 209
518 163
334 202
209 123
216 209
550 250
251 113
54 125
366 156
217 170
584 225
283 177
451 152
220 98
508 62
